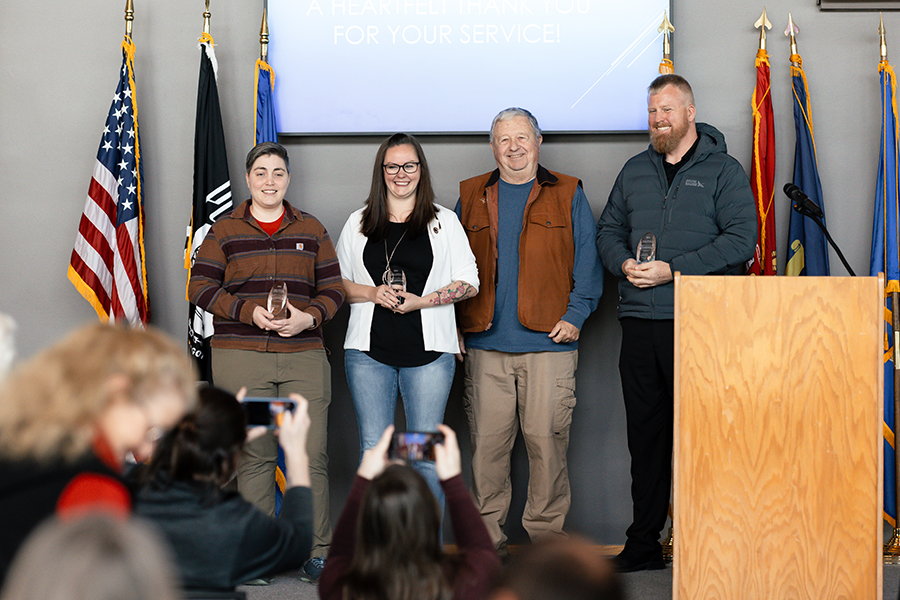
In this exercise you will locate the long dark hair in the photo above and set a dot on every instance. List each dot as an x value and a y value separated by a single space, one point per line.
398 554
204 445
375 216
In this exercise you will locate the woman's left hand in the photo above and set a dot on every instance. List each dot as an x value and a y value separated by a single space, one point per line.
296 322
410 303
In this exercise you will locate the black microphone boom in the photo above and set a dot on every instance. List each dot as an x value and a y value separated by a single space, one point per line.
803 205
801 202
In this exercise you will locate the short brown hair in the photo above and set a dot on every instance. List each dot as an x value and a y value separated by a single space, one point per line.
674 80
562 569
265 149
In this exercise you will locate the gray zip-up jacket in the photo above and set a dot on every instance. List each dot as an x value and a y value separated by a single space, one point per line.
705 223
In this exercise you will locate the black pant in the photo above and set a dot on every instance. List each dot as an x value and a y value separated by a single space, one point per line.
646 365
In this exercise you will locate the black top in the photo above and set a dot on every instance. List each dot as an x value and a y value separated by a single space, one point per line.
396 339
672 170
220 540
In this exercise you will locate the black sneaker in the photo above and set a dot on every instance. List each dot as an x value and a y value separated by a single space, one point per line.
312 570
629 562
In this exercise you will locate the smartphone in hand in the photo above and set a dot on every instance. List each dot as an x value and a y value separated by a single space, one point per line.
414 445
267 412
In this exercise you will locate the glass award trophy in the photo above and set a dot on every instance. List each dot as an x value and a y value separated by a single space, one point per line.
396 280
646 249
277 303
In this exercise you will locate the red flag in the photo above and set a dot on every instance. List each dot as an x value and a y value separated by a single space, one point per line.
107 263
762 170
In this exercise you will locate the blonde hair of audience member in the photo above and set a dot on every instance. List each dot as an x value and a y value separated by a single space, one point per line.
93 558
107 379
7 343
561 569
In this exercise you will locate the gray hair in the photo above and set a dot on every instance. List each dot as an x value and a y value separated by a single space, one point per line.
512 113
96 557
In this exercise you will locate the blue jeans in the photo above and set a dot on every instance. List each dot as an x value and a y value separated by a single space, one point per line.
374 386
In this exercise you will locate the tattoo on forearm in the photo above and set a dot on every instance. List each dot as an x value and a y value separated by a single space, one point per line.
456 291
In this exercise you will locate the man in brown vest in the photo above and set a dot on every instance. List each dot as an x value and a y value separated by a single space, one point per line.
532 234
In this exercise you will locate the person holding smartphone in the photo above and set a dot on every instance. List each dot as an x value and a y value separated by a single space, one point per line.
387 541
221 540
404 262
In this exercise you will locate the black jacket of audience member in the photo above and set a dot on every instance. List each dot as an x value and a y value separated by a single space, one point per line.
221 540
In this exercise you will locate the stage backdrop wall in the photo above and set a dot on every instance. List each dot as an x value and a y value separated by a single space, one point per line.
58 67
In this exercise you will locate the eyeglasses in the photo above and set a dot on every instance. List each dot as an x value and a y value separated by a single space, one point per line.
409 168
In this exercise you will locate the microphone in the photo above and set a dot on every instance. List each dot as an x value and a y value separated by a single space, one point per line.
802 202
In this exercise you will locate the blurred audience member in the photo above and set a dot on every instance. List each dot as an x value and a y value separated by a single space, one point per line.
92 558
387 543
561 569
220 539
70 414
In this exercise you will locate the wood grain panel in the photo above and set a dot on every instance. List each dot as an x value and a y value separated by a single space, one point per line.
777 489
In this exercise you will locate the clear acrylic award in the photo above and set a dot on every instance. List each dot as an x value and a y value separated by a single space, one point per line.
646 249
277 303
396 280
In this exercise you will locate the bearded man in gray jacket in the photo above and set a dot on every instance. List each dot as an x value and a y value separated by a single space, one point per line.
697 202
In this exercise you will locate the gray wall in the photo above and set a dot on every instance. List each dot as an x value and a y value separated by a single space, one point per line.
59 67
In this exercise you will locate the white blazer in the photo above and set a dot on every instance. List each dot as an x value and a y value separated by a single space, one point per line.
453 261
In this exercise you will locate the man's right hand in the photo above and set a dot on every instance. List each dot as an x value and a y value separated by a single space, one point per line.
462 346
647 275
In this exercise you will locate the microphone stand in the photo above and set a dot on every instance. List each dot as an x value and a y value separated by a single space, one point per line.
806 213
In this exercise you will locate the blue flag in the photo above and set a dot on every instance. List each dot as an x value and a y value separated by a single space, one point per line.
807 250
265 130
886 259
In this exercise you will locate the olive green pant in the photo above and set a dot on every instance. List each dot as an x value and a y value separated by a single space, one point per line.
275 375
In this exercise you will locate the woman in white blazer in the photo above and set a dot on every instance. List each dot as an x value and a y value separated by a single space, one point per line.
404 261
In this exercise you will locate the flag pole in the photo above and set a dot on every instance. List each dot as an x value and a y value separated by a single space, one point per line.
206 16
129 17
792 30
264 36
891 550
666 66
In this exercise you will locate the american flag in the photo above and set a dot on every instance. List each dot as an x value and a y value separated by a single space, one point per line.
107 264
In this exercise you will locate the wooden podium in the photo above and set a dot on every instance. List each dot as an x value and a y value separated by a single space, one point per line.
778 438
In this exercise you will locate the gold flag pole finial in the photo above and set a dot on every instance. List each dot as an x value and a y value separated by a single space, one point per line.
791 31
129 17
666 28
762 24
881 34
206 16
264 37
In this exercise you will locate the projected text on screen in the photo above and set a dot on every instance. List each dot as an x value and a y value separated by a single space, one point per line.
433 66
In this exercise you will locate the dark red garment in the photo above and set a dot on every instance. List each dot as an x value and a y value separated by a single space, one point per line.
480 561
271 227
31 491
92 491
